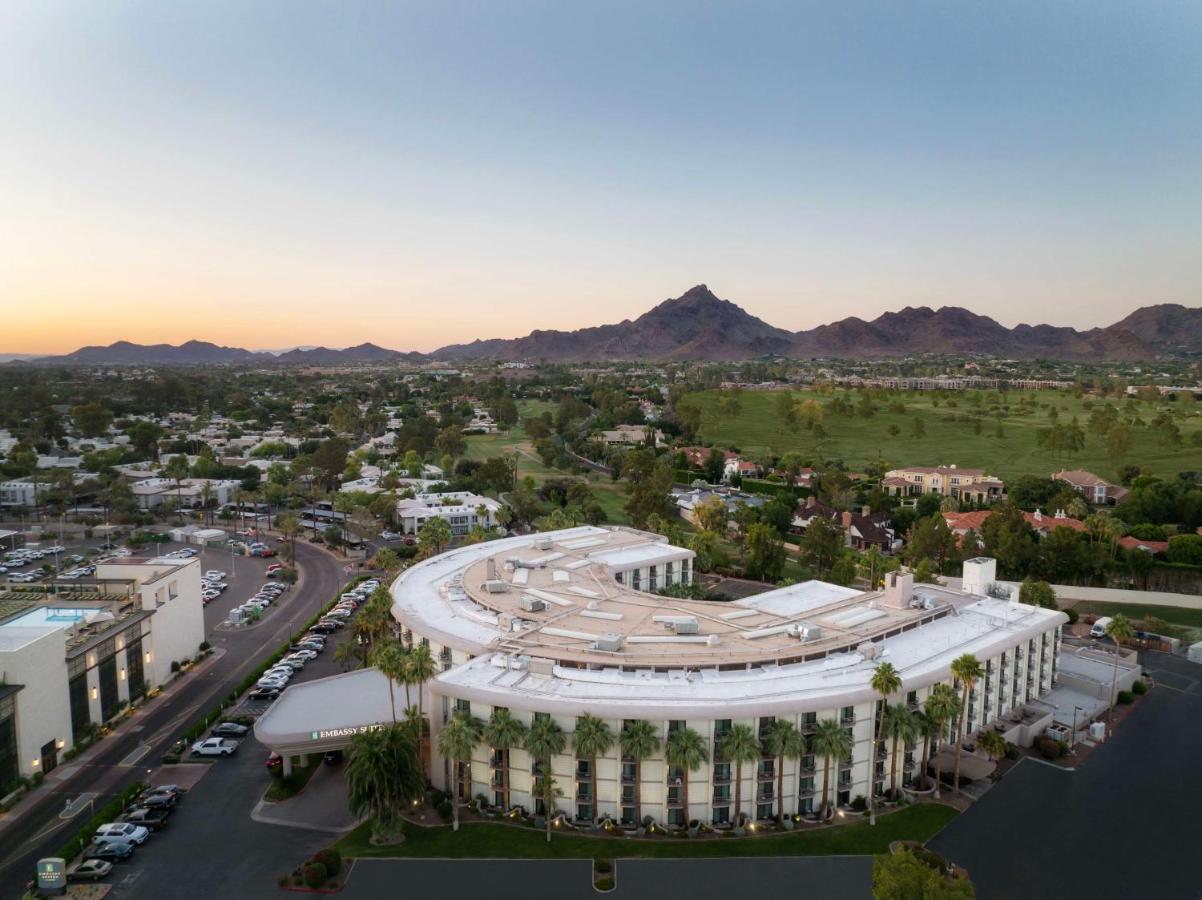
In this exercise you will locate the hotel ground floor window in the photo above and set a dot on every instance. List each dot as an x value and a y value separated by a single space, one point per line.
77 690
584 812
49 756
805 805
9 767
108 688
721 815
676 815
627 815
843 798
764 811
135 672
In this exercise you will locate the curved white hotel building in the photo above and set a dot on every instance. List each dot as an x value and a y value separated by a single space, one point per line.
567 623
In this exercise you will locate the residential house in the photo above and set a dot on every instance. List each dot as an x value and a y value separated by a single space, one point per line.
1092 487
967 485
862 529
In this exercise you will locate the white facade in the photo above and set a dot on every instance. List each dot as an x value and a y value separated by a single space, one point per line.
462 510
68 663
554 626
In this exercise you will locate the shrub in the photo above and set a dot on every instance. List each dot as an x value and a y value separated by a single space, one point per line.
314 874
436 798
331 859
1073 615
1012 751
1049 748
175 665
602 866
859 804
1125 697
1139 688
445 810
205 645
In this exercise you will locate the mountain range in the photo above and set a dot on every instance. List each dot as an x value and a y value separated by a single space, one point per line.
700 326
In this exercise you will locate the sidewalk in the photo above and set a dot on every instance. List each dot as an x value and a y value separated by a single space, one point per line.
130 724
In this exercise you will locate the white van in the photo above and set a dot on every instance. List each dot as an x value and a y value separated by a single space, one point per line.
1100 626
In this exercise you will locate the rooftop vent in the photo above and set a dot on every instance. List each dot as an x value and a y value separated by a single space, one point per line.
532 604
611 642
496 586
869 650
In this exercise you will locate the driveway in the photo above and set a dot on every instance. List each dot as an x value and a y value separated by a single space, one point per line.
1119 826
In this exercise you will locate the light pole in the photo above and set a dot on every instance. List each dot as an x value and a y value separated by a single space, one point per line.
1073 737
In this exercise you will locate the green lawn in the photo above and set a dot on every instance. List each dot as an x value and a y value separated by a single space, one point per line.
1184 623
860 441
492 841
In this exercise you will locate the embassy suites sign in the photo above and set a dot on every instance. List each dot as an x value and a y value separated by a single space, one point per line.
350 731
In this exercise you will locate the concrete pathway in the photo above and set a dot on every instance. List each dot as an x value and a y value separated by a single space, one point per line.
321 806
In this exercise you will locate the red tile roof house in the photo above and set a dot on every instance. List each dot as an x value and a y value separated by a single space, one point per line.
963 522
862 530
1134 543
1096 490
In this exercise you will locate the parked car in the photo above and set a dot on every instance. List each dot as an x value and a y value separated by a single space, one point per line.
214 746
109 850
215 575
229 729
89 870
332 757
274 761
154 819
264 693
121 831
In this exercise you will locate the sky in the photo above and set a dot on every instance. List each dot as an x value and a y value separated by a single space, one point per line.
267 174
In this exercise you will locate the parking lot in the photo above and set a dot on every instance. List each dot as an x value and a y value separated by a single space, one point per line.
216 815
1116 827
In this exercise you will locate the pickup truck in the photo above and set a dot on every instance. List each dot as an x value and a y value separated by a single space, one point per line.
214 746
154 819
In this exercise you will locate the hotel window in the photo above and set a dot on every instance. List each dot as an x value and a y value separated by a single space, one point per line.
635 580
764 811
675 725
463 706
653 578
669 571
619 577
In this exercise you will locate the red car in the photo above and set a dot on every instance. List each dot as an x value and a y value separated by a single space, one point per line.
274 761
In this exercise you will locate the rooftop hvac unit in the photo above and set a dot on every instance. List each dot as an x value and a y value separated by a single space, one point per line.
809 633
868 650
610 641
541 667
496 586
1097 731
491 568
684 626
542 544
532 604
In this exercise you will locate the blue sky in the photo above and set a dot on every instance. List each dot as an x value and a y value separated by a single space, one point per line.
421 174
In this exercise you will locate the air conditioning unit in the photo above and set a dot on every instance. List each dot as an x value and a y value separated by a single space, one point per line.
684 626
869 650
610 641
532 604
542 544
807 633
496 586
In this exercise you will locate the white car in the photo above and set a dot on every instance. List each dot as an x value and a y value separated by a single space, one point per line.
305 654
214 747
121 831
214 575
339 613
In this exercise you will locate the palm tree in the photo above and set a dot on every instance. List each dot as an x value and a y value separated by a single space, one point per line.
638 741
942 707
927 729
382 775
544 741
993 744
968 670
345 655
422 667
899 726
288 525
456 742
739 746
592 739
392 661
886 682
686 750
830 740
1118 630
503 732
784 741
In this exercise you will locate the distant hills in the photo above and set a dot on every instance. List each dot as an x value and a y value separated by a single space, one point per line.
700 326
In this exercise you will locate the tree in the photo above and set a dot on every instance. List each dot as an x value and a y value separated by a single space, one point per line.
686 750
329 459
391 659
942 707
1185 548
1119 441
903 876
638 741
765 552
346 654
177 470
968 671
413 464
544 741
502 733
456 742
1037 593
918 427
930 538
434 536
591 739
382 776
420 667
92 419
886 681
1118 630
711 515
900 727
451 441
822 544
387 559
739 746
832 742
993 744
649 482
783 741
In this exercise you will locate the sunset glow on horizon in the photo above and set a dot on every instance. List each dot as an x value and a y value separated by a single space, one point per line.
266 176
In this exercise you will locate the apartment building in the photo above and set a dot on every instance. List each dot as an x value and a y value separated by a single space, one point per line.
462 510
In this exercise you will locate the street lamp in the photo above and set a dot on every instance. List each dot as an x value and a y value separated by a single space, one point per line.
1073 737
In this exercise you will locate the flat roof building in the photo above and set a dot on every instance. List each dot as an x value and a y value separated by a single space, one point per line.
569 623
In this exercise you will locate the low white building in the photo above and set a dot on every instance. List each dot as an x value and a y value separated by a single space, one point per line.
69 663
152 493
462 510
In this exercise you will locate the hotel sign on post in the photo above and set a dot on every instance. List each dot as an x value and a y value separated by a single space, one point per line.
52 875
328 733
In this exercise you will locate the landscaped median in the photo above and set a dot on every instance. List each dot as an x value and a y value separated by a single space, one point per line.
488 840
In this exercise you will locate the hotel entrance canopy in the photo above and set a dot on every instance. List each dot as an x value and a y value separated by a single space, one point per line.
325 714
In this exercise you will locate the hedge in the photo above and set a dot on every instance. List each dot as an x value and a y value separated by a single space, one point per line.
107 813
202 725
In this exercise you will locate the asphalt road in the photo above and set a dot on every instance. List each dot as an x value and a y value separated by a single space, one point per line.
39 830
1120 826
